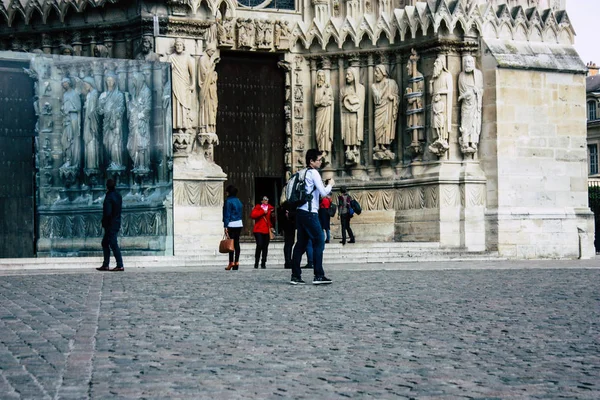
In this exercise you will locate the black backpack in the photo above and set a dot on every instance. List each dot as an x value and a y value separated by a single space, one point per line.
294 193
332 209
355 206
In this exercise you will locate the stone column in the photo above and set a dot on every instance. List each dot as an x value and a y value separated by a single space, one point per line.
370 132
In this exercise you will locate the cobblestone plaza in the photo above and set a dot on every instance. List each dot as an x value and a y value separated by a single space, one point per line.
472 330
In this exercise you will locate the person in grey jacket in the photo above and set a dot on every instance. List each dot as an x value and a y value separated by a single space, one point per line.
111 222
232 223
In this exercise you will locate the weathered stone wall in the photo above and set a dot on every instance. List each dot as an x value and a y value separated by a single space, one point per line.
535 162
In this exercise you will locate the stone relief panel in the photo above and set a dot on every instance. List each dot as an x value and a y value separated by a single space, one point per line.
193 193
101 119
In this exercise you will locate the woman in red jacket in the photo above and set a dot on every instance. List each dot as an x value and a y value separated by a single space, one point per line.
264 219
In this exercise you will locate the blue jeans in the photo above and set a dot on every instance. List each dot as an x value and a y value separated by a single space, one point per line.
109 242
308 229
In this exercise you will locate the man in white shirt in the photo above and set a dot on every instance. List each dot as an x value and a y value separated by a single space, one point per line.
308 226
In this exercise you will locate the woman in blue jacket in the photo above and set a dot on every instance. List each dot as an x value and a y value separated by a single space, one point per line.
232 222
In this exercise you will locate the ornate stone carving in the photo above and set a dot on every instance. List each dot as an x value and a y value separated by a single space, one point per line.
91 128
207 83
246 33
414 105
182 68
385 97
225 32
470 95
264 34
282 35
200 194
323 102
71 135
442 93
139 106
145 51
352 106
112 108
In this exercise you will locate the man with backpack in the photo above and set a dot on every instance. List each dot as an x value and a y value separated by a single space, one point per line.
345 213
308 227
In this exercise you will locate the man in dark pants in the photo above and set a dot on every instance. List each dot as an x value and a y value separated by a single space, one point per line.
343 213
287 226
111 222
308 227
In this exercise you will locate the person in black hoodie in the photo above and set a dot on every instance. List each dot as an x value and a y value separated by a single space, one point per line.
111 222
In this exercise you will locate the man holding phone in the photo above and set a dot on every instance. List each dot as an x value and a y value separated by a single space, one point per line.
308 226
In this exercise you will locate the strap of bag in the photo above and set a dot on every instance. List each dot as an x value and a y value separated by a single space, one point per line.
267 222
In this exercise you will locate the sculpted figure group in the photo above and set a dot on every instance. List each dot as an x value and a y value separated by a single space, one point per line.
386 102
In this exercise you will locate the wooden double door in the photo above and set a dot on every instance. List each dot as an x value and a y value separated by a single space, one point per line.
17 162
251 127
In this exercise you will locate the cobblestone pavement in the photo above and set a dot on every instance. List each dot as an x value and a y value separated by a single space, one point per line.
382 334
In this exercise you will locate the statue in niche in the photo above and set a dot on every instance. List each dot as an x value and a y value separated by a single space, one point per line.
442 89
91 126
470 97
352 99
225 32
414 104
207 82
101 51
183 83
139 107
145 51
71 137
112 107
386 99
323 114
66 50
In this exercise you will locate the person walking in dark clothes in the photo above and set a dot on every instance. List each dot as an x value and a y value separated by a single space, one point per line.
232 224
111 222
344 214
287 227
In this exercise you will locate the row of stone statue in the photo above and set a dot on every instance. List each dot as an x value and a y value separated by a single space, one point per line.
96 124
386 99
186 79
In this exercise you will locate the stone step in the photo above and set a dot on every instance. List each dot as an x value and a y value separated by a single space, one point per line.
275 259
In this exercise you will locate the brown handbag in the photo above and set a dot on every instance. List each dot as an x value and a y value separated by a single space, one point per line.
226 245
271 230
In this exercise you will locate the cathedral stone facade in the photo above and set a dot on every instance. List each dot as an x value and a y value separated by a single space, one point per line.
453 121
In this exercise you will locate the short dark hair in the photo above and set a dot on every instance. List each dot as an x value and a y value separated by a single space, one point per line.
312 155
111 184
231 190
344 189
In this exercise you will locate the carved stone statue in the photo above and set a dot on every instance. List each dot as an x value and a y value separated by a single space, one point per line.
282 33
385 97
470 95
145 51
352 99
91 126
225 32
207 82
414 105
183 85
139 109
66 50
246 32
100 51
324 113
71 137
112 108
441 88
166 106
